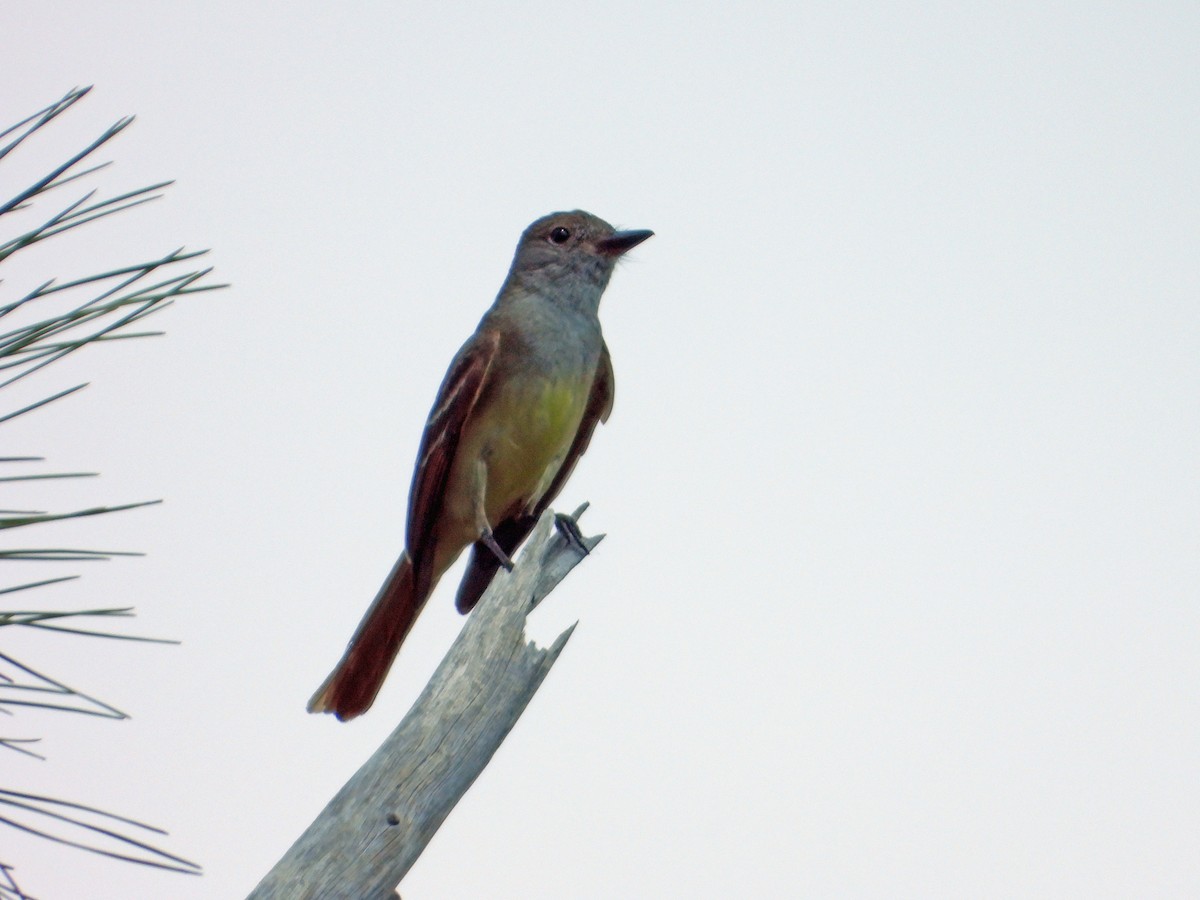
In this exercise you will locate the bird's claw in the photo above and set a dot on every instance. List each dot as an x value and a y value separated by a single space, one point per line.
488 540
569 529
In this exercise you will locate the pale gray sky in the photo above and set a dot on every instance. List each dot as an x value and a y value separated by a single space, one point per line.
899 595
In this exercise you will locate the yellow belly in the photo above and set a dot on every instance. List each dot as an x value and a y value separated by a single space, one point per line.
528 435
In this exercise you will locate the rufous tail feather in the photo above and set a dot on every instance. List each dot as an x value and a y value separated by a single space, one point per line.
351 687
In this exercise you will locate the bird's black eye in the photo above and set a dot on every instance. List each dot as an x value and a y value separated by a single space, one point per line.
559 235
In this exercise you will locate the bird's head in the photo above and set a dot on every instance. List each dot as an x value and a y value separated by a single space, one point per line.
571 248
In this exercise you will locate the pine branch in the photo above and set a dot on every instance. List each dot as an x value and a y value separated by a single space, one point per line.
42 325
87 828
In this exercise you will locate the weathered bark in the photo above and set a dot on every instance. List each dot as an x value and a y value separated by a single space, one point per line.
373 830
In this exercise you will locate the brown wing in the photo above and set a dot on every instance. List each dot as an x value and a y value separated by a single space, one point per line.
456 399
509 533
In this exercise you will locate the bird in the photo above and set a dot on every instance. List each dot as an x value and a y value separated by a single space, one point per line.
514 413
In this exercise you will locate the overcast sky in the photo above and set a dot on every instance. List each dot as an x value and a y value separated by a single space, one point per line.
899 595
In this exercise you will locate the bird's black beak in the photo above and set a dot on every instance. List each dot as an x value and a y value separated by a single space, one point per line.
620 242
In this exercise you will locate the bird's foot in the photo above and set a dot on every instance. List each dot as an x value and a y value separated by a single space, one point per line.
488 540
568 527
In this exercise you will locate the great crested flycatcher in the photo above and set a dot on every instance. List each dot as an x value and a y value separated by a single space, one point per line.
513 415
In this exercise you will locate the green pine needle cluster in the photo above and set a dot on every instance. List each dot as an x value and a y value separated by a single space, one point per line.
37 328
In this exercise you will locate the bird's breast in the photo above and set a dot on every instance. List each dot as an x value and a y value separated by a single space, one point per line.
534 425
